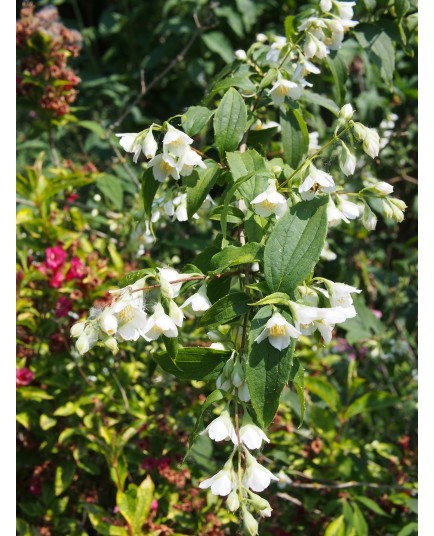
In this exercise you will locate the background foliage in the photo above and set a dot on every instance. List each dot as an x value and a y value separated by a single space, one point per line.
101 439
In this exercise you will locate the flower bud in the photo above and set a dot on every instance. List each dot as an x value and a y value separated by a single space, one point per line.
359 131
77 329
383 188
277 170
398 207
369 219
346 112
262 506
347 161
233 502
108 323
371 142
261 38
240 54
82 344
111 344
250 523
325 5
238 375
150 146
243 393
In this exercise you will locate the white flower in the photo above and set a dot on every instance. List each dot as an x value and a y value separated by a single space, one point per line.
250 523
129 143
261 38
164 165
325 5
334 215
398 207
160 324
240 54
284 88
221 483
334 41
327 254
345 9
340 294
369 219
87 339
316 181
221 429
279 332
270 202
313 47
349 210
149 146
131 317
371 142
176 313
346 112
108 322
273 54
180 202
252 436
313 143
347 161
168 289
77 329
233 502
256 477
176 142
259 125
198 303
189 160
382 188
243 392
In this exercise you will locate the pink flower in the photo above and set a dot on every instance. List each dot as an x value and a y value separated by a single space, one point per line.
63 306
154 504
24 376
57 279
76 270
55 257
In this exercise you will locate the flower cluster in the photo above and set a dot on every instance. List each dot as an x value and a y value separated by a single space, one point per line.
127 318
44 47
58 269
177 160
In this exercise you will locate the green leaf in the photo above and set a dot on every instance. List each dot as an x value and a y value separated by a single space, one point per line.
324 390
297 378
295 137
233 214
273 299
149 189
46 422
401 7
336 527
369 402
206 178
294 245
132 277
225 310
269 77
339 69
33 393
93 126
96 516
409 530
363 326
217 42
111 187
268 369
144 495
254 186
372 505
290 30
234 256
196 118
241 81
320 100
193 363
379 47
63 477
227 199
359 521
242 164
230 121
172 346
214 397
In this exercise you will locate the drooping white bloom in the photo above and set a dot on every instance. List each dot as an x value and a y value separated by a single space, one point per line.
188 161
369 219
336 29
371 142
313 143
350 210
259 125
77 329
180 208
273 54
261 38
163 165
222 429
176 142
87 339
176 313
240 54
129 312
252 436
256 477
221 483
340 294
382 188
279 332
169 289
345 9
129 143
108 322
398 207
313 47
198 303
249 522
346 112
334 215
347 161
316 181
327 254
270 202
233 502
149 146
282 89
325 5
160 324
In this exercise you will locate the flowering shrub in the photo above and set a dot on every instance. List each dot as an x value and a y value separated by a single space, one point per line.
242 319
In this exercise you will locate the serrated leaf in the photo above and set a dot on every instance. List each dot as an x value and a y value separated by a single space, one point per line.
194 363
214 397
196 118
294 245
374 39
268 369
234 256
225 310
369 402
241 81
63 477
242 164
254 186
295 137
324 390
206 178
149 189
230 122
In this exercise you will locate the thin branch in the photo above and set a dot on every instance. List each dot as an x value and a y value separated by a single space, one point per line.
185 279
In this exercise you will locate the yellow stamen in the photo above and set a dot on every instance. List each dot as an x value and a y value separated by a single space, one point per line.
276 330
126 314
